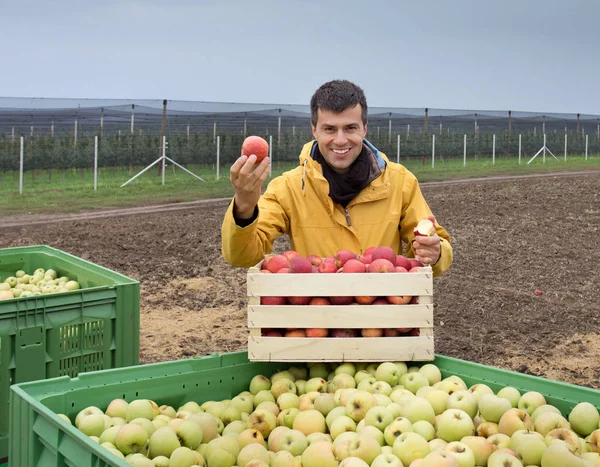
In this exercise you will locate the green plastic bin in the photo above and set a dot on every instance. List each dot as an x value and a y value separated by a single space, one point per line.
38 437
64 334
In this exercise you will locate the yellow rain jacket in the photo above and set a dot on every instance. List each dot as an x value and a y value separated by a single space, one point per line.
298 204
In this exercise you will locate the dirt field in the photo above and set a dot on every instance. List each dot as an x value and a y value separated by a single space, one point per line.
509 238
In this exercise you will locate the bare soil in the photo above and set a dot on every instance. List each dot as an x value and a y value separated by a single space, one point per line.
510 237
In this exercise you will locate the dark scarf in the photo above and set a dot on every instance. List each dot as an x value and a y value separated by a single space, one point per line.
343 188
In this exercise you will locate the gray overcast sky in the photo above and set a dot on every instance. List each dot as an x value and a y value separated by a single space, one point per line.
532 55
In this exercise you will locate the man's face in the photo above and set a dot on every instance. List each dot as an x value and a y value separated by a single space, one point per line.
340 137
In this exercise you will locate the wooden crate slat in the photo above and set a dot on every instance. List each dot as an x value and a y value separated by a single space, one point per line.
327 285
343 316
375 349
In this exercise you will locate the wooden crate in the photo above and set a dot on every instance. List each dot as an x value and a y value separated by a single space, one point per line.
336 349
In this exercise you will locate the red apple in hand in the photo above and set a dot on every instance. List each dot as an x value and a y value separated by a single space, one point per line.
257 146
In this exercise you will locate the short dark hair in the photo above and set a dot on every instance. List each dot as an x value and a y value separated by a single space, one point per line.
337 96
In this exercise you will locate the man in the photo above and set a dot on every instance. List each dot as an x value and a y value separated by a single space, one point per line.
344 195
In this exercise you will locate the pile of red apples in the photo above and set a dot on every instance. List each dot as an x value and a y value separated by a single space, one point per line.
376 259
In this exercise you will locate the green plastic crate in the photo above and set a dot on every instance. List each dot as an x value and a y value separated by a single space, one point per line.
45 336
40 438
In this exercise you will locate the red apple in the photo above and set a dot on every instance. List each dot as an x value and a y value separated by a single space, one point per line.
403 261
371 332
300 265
391 333
317 332
315 260
342 256
380 301
381 265
384 252
369 251
296 333
401 269
327 267
343 333
283 271
299 300
319 301
277 262
364 300
257 146
399 299
354 265
367 259
291 254
414 263
341 300
273 300
271 333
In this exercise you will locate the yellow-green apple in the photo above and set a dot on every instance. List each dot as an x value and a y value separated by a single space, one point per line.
85 412
379 417
315 385
559 455
310 421
543 409
117 408
300 386
593 441
410 446
319 454
341 425
514 420
92 425
584 418
259 383
109 435
284 459
438 400
417 409
231 414
529 449
353 462
138 460
343 380
503 459
511 394
139 408
333 414
362 375
381 387
372 432
359 404
413 381
479 390
425 429
325 403
388 372
439 459
190 406
399 426
530 401
146 425
307 401
400 394
182 457
227 443
235 427
341 444
565 436
492 407
250 435
437 444
281 386
386 460
463 453
448 386
458 380
481 447
208 423
253 451
499 441
287 400
487 429
548 421
454 424
395 409
463 400
293 441
262 420
593 457
261 396
162 442
365 448
299 372
367 384
189 433
216 408
382 399
268 405
431 372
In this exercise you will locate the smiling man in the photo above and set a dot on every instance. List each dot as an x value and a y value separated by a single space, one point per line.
345 194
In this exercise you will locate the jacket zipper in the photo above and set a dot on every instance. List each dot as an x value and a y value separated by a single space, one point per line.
348 221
